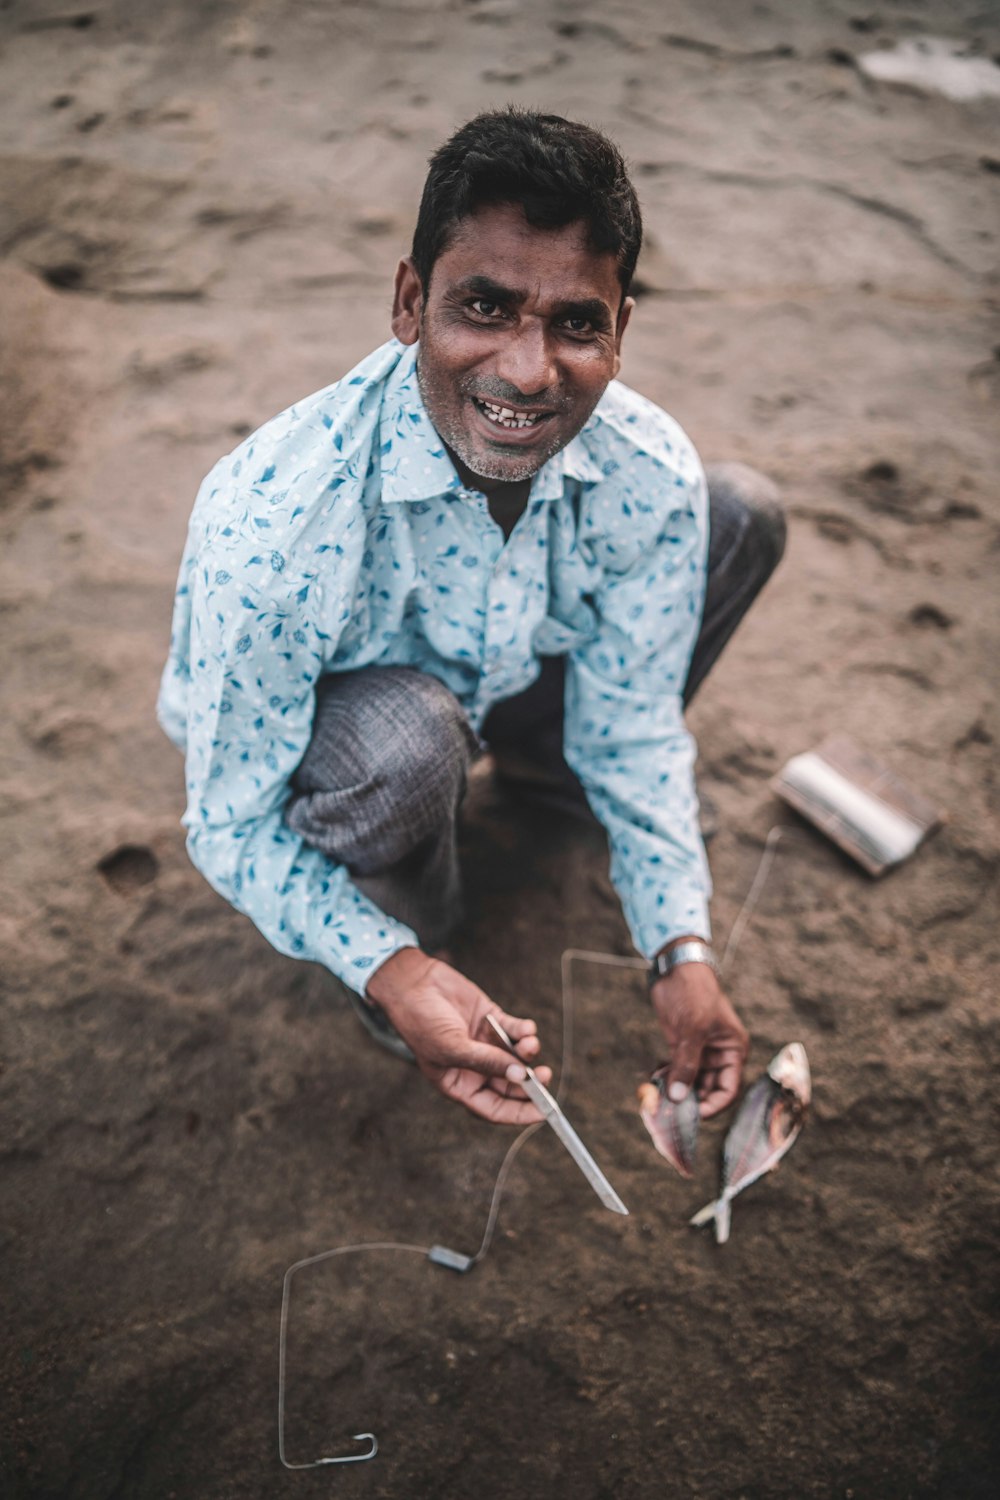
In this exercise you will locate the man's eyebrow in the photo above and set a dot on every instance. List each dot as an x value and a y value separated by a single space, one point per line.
485 287
591 308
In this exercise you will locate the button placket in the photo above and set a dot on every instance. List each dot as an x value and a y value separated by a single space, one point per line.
514 605
490 533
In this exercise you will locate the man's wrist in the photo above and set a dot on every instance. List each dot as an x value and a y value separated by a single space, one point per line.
394 977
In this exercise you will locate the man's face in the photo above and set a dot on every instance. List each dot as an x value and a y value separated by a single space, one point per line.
519 336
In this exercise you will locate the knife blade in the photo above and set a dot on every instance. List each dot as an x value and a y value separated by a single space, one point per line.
551 1111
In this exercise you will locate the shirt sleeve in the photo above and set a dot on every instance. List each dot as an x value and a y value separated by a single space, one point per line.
625 735
260 637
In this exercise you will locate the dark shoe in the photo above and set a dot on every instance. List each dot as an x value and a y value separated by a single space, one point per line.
378 1026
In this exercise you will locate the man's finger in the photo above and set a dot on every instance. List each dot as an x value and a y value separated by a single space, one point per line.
485 1102
514 1090
480 1057
722 1090
489 1106
515 1026
707 1082
523 1034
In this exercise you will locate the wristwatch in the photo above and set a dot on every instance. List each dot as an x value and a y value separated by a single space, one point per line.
692 952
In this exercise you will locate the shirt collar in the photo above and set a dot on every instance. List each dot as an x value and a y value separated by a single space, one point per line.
415 462
575 461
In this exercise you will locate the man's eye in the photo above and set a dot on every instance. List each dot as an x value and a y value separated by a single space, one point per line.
484 308
579 325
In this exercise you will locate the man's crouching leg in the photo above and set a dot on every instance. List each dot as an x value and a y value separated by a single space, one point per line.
745 544
379 788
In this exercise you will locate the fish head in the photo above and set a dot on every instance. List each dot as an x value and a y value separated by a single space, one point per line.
673 1128
652 1093
790 1070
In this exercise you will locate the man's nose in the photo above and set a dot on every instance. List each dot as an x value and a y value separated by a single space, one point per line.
526 360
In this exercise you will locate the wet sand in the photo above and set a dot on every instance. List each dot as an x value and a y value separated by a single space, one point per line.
201 206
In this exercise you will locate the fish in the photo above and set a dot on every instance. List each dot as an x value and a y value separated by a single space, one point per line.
673 1127
766 1126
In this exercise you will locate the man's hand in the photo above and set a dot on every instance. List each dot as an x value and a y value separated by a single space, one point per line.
442 1016
708 1041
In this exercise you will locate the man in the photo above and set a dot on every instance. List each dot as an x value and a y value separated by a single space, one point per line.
474 537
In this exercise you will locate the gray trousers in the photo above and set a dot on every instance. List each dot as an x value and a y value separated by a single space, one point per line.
381 782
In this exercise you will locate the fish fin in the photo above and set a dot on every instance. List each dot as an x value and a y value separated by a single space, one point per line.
723 1216
705 1214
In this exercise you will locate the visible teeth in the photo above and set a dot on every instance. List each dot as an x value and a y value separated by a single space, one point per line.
504 416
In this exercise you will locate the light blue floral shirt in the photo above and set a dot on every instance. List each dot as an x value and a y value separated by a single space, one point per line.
339 536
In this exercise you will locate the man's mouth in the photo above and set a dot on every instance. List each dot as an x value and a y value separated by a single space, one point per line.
512 418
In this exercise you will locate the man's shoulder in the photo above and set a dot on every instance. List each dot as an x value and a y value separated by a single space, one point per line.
331 414
635 427
315 450
649 475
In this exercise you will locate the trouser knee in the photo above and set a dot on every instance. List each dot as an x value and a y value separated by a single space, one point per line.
385 770
754 502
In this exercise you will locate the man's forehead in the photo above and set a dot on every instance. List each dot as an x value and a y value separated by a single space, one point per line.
498 243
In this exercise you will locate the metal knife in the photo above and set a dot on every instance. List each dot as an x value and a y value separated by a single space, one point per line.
551 1111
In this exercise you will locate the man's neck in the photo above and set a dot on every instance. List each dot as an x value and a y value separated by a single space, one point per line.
505 499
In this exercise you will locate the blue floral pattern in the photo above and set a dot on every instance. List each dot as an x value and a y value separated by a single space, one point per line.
339 536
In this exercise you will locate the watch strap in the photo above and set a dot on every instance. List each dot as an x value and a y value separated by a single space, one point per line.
692 952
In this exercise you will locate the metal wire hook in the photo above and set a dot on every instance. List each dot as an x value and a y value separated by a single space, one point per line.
352 1458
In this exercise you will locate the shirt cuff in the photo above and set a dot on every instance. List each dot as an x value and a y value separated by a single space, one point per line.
673 914
361 940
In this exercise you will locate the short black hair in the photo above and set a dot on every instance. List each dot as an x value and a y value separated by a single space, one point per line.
557 170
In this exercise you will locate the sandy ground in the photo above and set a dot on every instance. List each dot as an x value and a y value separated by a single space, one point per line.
202 204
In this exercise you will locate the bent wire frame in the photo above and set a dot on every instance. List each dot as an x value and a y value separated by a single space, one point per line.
438 1254
286 1291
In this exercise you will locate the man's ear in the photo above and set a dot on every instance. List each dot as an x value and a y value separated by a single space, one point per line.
407 302
624 313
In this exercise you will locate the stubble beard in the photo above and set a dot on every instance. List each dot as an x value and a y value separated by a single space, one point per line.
511 468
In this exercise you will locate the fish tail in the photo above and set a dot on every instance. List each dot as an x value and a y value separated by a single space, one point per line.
704 1215
723 1217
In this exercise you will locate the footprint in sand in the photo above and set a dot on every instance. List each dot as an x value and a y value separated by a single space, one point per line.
883 488
929 616
128 867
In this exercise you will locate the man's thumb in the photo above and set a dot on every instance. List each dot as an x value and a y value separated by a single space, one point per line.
683 1068
492 1062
